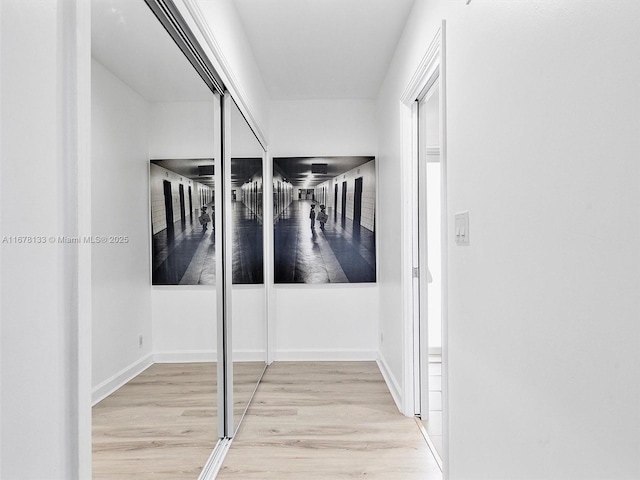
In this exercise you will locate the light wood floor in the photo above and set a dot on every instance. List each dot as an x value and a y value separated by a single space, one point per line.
245 379
327 420
160 425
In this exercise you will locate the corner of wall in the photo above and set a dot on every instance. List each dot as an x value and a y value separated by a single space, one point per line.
111 384
391 381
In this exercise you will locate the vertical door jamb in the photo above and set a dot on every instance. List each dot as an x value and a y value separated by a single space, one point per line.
423 263
433 63
415 257
223 274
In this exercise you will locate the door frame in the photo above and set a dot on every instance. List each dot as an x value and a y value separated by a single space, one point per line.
357 200
343 201
421 249
432 65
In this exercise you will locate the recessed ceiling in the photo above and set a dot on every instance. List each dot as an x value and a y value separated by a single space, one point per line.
299 171
244 169
323 49
193 168
129 41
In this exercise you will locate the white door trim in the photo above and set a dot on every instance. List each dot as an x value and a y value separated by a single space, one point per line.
77 19
431 65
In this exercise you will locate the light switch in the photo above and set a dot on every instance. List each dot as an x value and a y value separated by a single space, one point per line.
462 228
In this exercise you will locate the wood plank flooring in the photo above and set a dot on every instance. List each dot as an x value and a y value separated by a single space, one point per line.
330 421
245 379
160 425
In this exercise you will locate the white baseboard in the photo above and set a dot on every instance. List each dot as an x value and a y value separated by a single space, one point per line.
250 356
319 355
113 383
185 356
390 380
106 388
197 356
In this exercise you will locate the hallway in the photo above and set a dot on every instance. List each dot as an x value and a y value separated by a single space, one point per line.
341 252
327 420
247 249
188 257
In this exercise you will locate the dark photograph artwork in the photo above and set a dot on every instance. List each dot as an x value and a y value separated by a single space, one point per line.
246 220
324 219
183 226
182 222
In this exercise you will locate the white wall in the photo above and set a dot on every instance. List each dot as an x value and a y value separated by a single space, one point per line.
328 127
249 326
184 323
39 295
543 115
245 79
182 129
323 321
120 206
184 318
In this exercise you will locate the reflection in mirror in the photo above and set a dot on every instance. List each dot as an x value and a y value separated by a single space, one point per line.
183 241
154 396
246 212
248 293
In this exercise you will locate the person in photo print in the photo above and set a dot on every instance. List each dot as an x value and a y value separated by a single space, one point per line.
322 217
312 216
204 218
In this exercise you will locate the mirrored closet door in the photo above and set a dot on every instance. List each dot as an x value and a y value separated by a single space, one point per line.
245 155
178 298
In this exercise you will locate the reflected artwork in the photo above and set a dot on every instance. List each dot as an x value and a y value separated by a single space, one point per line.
182 222
324 219
246 220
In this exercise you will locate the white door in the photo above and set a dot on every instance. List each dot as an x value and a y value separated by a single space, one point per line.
431 256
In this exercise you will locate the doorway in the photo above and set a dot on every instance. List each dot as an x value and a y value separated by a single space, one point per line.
168 208
183 215
344 201
425 193
357 203
430 260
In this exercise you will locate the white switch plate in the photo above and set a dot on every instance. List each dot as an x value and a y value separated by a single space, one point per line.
461 231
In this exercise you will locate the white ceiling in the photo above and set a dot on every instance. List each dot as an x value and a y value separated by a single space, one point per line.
128 40
305 49
323 49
